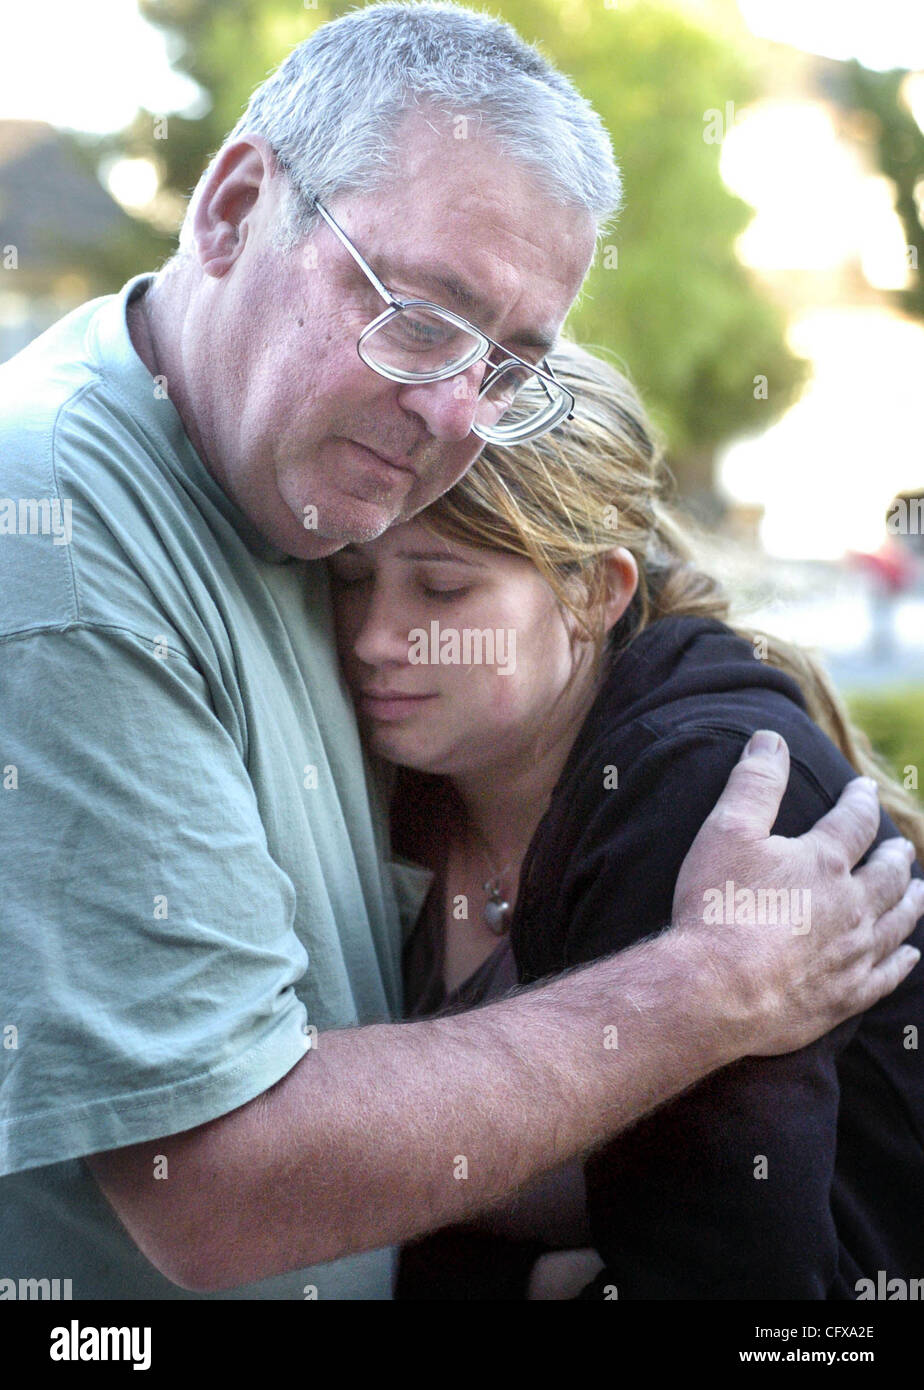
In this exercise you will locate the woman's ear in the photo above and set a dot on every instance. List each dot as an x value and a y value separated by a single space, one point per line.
622 582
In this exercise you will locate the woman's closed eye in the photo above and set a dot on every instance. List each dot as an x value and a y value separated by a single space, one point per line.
448 593
443 582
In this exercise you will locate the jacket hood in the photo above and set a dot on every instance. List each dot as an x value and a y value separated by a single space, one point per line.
682 659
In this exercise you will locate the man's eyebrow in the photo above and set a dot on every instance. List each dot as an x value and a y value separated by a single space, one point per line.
440 278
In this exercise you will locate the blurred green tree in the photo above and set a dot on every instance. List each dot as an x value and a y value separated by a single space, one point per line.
228 50
667 294
898 149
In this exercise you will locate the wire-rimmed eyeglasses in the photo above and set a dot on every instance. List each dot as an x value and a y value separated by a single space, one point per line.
415 340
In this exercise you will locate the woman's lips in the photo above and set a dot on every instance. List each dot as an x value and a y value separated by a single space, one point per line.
391 705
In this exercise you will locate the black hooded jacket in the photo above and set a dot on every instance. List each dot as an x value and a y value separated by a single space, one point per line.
778 1177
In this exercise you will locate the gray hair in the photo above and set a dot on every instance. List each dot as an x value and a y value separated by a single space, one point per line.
332 110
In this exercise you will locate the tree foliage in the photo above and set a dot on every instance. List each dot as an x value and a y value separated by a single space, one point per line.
898 143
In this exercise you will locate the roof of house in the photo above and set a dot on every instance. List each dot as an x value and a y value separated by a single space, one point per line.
50 202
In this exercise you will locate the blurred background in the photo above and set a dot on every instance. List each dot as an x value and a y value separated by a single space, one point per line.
761 287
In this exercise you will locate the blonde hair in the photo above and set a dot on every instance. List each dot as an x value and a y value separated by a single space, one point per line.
598 481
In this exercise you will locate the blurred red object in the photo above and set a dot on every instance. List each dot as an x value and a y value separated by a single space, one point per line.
891 566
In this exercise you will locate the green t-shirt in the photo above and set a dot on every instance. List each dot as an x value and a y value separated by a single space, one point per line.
193 871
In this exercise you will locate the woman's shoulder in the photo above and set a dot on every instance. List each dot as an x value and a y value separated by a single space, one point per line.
638 786
671 719
684 678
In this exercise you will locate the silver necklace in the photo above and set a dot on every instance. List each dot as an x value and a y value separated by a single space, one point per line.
496 910
495 913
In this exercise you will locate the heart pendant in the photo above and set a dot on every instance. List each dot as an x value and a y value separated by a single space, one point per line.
494 915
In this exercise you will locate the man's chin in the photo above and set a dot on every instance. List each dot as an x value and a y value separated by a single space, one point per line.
350 525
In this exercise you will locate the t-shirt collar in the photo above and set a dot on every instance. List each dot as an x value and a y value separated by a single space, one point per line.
158 414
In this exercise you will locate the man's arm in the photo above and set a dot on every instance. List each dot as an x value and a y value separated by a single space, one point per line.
387 1131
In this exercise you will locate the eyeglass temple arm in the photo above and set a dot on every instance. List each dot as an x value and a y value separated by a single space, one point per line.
548 367
366 269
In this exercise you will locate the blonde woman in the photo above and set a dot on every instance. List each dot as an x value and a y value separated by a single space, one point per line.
565 694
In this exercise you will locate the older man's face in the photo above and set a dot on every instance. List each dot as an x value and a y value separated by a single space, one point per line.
315 446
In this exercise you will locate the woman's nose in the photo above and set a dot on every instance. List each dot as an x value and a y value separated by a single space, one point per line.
382 631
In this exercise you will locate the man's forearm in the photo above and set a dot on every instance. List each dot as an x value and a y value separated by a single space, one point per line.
384 1132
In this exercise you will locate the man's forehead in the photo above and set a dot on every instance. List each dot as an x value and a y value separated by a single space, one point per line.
465 226
454 290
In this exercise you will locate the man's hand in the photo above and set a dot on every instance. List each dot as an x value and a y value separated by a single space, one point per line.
830 942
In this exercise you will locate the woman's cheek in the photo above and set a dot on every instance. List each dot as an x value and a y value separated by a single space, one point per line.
505 694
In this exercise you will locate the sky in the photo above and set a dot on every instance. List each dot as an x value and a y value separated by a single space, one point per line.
884 34
105 62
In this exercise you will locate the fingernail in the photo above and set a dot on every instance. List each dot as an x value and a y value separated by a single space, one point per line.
764 741
868 784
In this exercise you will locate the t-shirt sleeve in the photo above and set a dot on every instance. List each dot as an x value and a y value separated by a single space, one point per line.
725 1192
146 933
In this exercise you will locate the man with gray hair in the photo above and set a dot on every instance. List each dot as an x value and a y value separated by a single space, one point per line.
203 1087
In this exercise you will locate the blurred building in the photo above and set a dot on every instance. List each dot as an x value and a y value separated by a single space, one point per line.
56 220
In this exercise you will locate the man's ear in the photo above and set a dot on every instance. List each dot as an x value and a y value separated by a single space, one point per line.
238 190
622 582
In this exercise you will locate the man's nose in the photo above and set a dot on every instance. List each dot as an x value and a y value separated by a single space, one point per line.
446 407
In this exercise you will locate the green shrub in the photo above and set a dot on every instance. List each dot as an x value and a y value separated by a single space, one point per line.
894 721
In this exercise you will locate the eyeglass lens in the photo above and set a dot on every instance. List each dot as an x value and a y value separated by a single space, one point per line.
417 341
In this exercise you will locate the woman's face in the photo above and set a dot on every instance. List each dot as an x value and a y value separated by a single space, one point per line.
458 658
